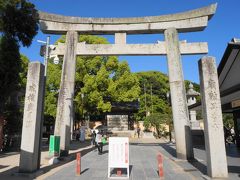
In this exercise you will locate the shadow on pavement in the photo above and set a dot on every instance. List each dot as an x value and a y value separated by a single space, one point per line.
16 150
203 169
199 147
1 166
145 144
105 152
8 174
167 147
234 169
84 170
78 144
130 170
71 157
200 166
233 151
5 154
172 151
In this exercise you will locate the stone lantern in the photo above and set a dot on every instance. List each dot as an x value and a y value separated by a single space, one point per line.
191 99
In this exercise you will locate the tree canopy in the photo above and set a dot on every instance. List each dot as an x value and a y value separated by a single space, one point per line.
99 81
159 122
13 110
228 120
18 24
18 20
153 97
10 66
155 107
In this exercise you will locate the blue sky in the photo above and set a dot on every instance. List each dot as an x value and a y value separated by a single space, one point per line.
221 28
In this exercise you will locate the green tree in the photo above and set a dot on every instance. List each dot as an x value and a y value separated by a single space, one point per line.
18 20
18 24
106 80
154 87
10 66
228 120
53 83
101 80
13 110
159 122
23 71
153 99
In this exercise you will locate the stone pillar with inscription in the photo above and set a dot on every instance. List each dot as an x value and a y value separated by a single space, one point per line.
178 96
212 115
32 119
65 109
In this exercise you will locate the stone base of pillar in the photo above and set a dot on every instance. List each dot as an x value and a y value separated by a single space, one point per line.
32 175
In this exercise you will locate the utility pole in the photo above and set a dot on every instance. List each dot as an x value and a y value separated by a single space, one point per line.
46 58
82 96
151 99
145 97
46 54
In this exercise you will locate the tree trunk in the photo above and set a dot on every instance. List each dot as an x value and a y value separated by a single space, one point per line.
1 131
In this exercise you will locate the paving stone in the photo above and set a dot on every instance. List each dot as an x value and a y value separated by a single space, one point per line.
143 166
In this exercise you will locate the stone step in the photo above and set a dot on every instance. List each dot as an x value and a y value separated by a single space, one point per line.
115 124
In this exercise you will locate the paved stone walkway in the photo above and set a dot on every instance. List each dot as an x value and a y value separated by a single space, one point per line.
143 165
9 162
233 160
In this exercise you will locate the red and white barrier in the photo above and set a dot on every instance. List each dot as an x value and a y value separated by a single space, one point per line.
160 165
78 163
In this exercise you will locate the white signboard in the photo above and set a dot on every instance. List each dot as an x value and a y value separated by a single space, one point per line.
118 155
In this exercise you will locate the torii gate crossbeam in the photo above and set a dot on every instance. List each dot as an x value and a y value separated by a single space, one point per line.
131 49
190 21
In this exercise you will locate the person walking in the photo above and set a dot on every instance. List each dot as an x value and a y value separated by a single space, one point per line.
77 135
138 131
93 138
82 133
99 142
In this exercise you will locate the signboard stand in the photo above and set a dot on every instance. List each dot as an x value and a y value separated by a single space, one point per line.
118 158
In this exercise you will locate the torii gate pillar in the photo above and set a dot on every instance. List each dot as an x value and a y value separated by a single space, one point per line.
178 96
66 93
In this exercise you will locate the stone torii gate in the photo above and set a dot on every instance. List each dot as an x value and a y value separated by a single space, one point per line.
170 25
